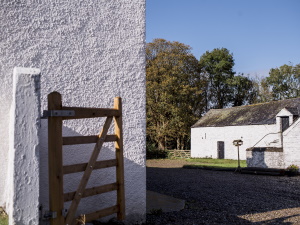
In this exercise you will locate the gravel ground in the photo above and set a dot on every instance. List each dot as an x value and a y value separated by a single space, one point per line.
219 197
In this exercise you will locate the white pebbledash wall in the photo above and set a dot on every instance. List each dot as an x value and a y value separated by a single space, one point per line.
291 144
90 52
204 139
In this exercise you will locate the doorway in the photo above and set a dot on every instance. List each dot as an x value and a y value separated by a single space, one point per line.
284 123
221 149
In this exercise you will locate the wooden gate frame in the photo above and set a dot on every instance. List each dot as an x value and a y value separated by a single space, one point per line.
58 113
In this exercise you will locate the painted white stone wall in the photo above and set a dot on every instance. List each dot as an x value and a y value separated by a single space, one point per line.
266 159
291 144
90 51
289 156
22 189
204 139
271 140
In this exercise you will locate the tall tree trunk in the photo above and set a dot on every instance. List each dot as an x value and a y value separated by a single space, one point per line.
166 143
182 143
161 144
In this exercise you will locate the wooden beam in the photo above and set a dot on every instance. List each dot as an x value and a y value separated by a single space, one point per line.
81 167
92 191
120 159
87 172
101 213
76 140
55 160
81 113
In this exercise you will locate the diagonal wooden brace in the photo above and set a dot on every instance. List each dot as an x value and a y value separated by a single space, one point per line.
87 172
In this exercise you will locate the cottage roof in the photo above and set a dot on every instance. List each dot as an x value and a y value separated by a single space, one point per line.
293 110
262 113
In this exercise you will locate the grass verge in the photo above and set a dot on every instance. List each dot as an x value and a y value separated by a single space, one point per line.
3 219
206 163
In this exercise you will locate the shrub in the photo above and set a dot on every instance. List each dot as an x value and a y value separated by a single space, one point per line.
157 154
293 168
153 153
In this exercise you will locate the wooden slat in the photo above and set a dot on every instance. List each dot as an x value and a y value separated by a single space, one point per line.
81 167
92 191
81 113
101 213
55 160
87 172
119 157
76 140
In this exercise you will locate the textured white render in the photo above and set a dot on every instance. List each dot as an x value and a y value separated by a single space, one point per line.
90 51
23 174
204 139
291 144
265 159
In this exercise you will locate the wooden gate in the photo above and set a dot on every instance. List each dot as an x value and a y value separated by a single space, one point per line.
56 114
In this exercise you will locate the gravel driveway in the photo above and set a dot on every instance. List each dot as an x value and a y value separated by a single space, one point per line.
218 197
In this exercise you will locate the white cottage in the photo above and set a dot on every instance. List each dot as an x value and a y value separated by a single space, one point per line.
269 132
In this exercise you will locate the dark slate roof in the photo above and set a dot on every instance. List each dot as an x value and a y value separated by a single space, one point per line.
262 113
293 110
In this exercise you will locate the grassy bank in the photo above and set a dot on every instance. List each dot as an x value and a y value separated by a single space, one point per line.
205 163
214 163
3 219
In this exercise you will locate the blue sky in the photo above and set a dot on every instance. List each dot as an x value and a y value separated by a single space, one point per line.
261 34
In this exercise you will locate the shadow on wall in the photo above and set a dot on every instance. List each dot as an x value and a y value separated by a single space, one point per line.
265 157
256 158
73 154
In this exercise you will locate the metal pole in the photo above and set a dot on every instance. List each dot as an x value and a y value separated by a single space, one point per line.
239 166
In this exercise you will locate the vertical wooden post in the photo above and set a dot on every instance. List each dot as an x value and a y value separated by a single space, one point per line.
55 159
120 160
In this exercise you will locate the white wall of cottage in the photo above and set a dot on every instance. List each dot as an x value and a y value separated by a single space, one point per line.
204 139
291 144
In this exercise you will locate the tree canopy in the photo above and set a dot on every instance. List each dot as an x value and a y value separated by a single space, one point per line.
217 67
243 90
284 82
174 94
180 89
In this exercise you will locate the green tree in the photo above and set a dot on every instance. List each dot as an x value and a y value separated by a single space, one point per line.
217 67
243 90
284 82
174 92
263 91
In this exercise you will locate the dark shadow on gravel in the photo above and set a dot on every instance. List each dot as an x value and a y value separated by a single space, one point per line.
218 197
